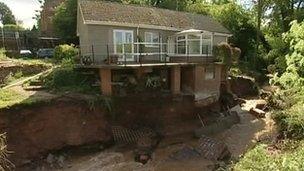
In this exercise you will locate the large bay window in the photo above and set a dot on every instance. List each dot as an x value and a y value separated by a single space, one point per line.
194 44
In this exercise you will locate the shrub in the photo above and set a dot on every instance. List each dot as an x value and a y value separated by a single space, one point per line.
227 54
291 122
3 54
65 52
67 79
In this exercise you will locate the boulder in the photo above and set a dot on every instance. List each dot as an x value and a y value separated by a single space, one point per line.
260 104
243 86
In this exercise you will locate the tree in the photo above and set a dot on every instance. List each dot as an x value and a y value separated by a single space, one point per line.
6 15
236 19
65 21
293 77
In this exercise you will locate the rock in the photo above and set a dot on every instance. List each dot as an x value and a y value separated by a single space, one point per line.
60 161
50 159
257 112
260 104
243 86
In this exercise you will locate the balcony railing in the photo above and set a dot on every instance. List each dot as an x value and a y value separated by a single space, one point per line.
143 53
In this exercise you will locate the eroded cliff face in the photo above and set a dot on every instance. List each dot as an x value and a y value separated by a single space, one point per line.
33 131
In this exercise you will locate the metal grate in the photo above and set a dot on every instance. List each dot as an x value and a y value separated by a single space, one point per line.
130 136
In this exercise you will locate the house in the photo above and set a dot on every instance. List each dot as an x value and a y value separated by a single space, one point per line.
116 36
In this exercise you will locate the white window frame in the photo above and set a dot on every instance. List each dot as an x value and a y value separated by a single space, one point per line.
186 40
151 43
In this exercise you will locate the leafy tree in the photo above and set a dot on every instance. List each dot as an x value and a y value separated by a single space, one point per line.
294 74
6 15
234 18
65 21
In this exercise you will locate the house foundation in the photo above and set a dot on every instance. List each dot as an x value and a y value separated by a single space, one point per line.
106 81
175 78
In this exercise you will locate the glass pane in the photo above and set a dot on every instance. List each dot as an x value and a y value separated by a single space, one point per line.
180 37
129 38
194 47
155 38
128 48
194 37
206 36
118 37
119 48
148 37
207 47
181 47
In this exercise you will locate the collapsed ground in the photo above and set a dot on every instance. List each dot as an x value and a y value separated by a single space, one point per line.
82 120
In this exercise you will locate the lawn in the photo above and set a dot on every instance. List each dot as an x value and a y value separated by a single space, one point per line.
10 97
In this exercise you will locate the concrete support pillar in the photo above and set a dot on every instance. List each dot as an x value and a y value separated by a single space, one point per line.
175 75
106 81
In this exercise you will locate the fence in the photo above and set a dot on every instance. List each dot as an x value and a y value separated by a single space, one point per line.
142 52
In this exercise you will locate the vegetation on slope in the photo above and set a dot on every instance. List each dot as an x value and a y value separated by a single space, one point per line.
288 113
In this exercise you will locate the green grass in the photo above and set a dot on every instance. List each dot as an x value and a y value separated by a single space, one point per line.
289 157
9 98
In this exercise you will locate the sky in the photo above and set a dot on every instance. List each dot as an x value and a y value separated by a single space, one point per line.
24 10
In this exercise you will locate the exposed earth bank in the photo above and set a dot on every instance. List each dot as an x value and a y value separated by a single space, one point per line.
32 131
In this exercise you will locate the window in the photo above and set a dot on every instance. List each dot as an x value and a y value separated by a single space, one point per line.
181 45
152 39
209 73
123 44
206 44
194 44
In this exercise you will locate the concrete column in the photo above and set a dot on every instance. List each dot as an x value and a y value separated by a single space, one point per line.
106 81
175 75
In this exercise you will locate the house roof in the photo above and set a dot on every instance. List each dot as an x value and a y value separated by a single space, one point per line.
101 12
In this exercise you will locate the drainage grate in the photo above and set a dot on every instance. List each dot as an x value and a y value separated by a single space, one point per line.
130 136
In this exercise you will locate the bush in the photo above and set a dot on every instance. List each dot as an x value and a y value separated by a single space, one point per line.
65 52
291 121
67 79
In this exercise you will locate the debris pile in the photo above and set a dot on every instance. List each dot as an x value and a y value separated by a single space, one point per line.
258 108
220 125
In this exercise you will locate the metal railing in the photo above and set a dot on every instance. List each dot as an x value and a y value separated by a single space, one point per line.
141 53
